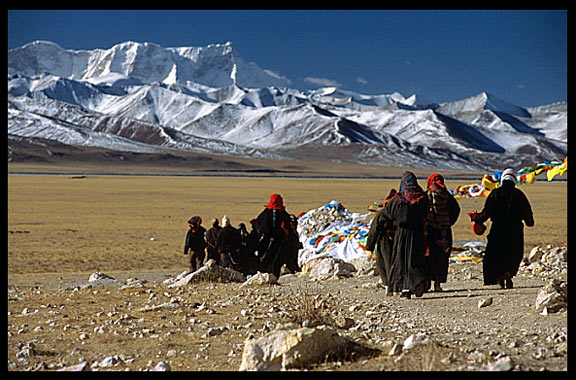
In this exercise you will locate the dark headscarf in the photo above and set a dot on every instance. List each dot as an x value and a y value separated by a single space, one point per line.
410 191
194 223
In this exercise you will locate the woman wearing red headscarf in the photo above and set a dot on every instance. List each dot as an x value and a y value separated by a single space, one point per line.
273 226
443 212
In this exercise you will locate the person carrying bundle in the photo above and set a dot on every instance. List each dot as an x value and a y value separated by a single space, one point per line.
507 207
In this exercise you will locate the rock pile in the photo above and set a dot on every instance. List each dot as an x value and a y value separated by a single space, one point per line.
332 231
546 262
552 298
328 267
209 272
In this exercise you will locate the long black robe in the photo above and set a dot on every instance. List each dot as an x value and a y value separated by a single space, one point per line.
380 237
409 246
440 237
507 207
274 229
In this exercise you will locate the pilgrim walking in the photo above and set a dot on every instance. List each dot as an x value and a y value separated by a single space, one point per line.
443 212
509 209
407 210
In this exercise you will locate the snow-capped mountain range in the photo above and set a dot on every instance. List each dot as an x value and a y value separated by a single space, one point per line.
141 97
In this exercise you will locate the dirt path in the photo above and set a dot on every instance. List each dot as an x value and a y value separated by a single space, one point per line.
207 324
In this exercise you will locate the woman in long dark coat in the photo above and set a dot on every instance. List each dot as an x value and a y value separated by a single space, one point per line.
507 207
380 237
228 243
211 236
443 212
407 211
273 226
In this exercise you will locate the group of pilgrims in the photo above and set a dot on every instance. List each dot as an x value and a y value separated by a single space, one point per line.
272 242
410 236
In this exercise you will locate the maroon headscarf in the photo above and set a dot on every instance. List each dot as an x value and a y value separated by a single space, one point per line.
194 223
435 183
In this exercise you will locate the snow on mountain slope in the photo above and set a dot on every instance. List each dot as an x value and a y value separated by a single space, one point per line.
551 120
216 65
73 125
482 101
139 96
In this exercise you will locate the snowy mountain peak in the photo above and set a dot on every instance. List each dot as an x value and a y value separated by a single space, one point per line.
482 101
494 103
216 65
143 97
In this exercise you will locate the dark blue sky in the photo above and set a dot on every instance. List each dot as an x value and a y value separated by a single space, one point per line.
442 55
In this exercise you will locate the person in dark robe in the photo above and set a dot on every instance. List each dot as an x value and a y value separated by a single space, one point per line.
507 207
443 212
228 243
273 227
380 238
195 243
407 210
248 262
211 235
293 246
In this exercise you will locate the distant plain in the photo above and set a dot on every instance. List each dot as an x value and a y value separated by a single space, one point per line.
86 223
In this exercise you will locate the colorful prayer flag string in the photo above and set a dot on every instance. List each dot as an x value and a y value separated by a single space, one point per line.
525 175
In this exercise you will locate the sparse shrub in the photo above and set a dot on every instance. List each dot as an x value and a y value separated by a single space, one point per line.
310 307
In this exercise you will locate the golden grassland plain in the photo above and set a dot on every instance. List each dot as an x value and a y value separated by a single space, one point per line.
66 223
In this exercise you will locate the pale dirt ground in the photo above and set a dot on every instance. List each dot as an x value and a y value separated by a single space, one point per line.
62 229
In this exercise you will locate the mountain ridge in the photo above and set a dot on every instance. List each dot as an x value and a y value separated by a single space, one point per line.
144 97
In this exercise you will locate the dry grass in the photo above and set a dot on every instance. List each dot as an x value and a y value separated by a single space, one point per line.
105 223
312 305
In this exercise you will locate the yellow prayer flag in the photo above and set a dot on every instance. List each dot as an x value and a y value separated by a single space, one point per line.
558 170
488 184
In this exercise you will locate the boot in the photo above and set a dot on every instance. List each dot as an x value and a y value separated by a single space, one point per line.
406 294
419 289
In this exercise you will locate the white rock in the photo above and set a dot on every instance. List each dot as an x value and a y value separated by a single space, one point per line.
415 340
485 302
503 364
99 276
535 254
162 367
328 267
293 348
261 279
552 298
210 273
395 350
110 361
81 367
